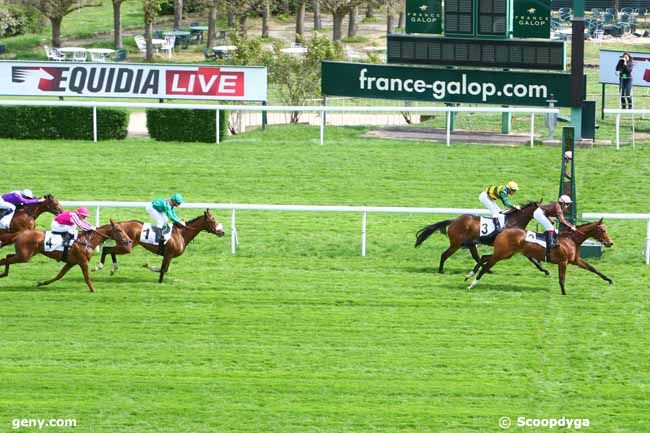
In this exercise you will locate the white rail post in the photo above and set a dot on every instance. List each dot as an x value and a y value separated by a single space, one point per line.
322 127
647 242
233 233
94 124
618 131
448 128
363 234
532 129
217 126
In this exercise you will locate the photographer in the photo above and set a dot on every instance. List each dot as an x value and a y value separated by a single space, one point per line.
624 69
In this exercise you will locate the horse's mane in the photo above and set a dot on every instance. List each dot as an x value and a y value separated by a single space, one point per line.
194 219
523 206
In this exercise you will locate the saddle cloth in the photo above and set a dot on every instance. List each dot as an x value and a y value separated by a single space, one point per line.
5 221
54 242
148 235
536 238
487 225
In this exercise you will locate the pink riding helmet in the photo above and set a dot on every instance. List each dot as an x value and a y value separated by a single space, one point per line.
82 211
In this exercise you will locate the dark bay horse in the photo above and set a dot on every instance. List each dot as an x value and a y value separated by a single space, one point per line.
31 242
25 218
181 237
512 241
465 231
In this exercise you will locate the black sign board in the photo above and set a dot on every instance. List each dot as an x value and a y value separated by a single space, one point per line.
459 17
493 53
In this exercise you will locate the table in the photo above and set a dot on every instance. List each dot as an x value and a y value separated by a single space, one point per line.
182 37
198 30
295 51
100 54
371 49
223 50
75 54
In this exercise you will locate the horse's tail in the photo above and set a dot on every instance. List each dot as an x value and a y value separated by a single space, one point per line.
424 233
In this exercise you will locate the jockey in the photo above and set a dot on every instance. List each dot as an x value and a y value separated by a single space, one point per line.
555 209
162 211
66 224
493 193
9 201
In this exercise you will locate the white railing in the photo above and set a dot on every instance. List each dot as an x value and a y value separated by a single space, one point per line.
620 112
319 109
364 210
234 241
627 216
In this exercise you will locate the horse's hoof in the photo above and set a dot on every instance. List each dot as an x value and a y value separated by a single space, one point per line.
547 273
610 282
40 283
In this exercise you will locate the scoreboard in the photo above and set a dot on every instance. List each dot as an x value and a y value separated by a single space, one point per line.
508 53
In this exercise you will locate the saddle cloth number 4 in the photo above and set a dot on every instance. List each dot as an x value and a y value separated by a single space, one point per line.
53 242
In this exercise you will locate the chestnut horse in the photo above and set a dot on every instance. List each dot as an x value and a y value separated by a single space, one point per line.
31 242
465 231
181 237
512 241
25 218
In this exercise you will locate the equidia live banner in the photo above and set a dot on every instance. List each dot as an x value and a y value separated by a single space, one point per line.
130 80
364 80
640 71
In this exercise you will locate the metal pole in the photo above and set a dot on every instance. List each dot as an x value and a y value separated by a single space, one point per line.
322 127
95 124
448 128
532 129
363 234
647 242
602 104
577 65
264 118
618 131
217 126
633 138
233 233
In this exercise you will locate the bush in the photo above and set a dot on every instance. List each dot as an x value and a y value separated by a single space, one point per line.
18 20
71 123
185 125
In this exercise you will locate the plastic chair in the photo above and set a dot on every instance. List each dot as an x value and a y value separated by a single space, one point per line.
141 43
53 54
168 46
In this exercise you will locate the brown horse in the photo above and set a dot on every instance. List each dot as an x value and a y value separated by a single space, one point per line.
31 242
512 241
25 218
465 231
181 237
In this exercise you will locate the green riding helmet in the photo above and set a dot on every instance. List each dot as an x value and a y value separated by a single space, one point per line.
177 198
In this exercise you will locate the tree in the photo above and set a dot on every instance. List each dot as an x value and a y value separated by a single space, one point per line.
370 11
266 16
300 20
178 14
339 9
212 23
150 9
352 23
317 21
117 23
391 7
55 10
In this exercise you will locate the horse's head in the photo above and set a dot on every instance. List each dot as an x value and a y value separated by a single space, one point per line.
213 226
120 237
51 204
601 235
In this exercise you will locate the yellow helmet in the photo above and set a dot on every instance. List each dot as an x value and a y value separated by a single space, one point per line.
512 185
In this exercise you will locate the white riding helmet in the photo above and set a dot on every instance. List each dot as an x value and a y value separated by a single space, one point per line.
568 154
27 193
565 199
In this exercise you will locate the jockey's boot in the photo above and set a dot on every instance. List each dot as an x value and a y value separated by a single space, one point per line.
497 224
160 239
551 242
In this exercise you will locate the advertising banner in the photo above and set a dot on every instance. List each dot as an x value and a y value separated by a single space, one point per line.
365 80
532 19
124 80
640 71
424 16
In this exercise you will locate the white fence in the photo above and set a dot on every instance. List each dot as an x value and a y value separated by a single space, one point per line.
363 210
628 216
318 109
620 112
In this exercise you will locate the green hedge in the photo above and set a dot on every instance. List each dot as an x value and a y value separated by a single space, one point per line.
72 123
185 125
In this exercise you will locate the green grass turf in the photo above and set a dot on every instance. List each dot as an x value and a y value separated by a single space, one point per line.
298 333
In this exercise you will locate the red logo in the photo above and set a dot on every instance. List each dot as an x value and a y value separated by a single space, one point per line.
205 81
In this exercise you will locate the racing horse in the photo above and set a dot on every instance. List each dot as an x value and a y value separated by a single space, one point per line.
180 239
465 231
25 218
31 242
512 241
